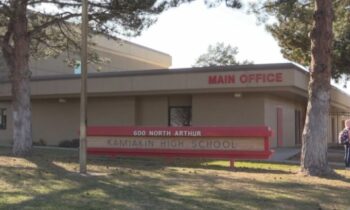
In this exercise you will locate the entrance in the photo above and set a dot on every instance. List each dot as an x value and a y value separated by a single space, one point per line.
337 120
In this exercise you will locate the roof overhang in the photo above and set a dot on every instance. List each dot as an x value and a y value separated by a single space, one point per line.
286 80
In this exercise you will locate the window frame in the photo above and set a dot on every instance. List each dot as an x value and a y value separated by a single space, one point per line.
181 107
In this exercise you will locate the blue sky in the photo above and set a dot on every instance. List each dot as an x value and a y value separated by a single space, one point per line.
185 33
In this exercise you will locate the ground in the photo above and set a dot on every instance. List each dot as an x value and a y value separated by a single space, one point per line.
335 155
48 179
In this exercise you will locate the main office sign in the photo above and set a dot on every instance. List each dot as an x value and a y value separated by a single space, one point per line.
246 78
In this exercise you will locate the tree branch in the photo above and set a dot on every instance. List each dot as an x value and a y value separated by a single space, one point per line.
52 22
5 8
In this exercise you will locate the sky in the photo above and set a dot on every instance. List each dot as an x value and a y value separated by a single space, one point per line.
186 32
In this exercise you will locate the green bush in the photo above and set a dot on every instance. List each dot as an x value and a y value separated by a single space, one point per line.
40 142
74 143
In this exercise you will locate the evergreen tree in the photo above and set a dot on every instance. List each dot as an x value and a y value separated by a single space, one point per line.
26 30
219 55
300 22
292 25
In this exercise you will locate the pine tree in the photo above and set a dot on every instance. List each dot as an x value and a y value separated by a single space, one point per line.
27 30
300 22
219 55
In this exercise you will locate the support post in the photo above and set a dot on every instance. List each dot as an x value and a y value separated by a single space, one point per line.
232 164
83 94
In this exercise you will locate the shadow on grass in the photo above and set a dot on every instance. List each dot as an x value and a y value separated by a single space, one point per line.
143 193
149 163
124 189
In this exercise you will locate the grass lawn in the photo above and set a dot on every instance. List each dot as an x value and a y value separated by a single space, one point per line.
48 179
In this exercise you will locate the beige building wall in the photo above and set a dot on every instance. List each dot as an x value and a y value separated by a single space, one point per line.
133 51
223 109
55 120
111 111
118 55
152 111
180 100
57 66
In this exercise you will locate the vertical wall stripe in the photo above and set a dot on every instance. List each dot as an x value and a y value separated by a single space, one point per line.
279 127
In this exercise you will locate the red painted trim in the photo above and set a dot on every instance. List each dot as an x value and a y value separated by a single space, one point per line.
181 153
264 132
204 131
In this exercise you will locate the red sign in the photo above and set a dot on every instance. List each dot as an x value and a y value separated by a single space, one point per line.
246 78
179 131
210 142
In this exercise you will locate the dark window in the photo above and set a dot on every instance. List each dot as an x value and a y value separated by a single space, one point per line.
334 131
180 116
298 127
2 118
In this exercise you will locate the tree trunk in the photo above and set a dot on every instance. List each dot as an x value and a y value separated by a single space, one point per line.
314 147
20 79
21 105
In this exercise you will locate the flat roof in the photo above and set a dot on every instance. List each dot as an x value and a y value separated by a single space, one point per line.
246 67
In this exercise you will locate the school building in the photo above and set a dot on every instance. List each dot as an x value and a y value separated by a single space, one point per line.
150 94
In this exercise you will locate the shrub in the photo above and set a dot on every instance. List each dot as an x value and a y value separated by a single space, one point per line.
41 142
74 143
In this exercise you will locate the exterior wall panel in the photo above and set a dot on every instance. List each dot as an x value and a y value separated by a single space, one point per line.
152 111
54 122
111 111
226 110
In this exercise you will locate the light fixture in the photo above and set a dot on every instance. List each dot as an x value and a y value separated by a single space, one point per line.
237 95
62 100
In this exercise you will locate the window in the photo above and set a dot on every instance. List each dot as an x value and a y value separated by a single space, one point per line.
180 116
2 118
77 67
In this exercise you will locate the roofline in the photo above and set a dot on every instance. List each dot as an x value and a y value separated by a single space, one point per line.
247 67
123 40
145 47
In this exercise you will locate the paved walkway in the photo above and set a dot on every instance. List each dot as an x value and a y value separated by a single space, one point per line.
283 154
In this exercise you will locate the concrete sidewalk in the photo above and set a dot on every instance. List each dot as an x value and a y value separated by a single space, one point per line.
283 154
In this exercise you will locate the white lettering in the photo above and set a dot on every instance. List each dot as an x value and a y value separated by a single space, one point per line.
188 133
139 133
159 133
